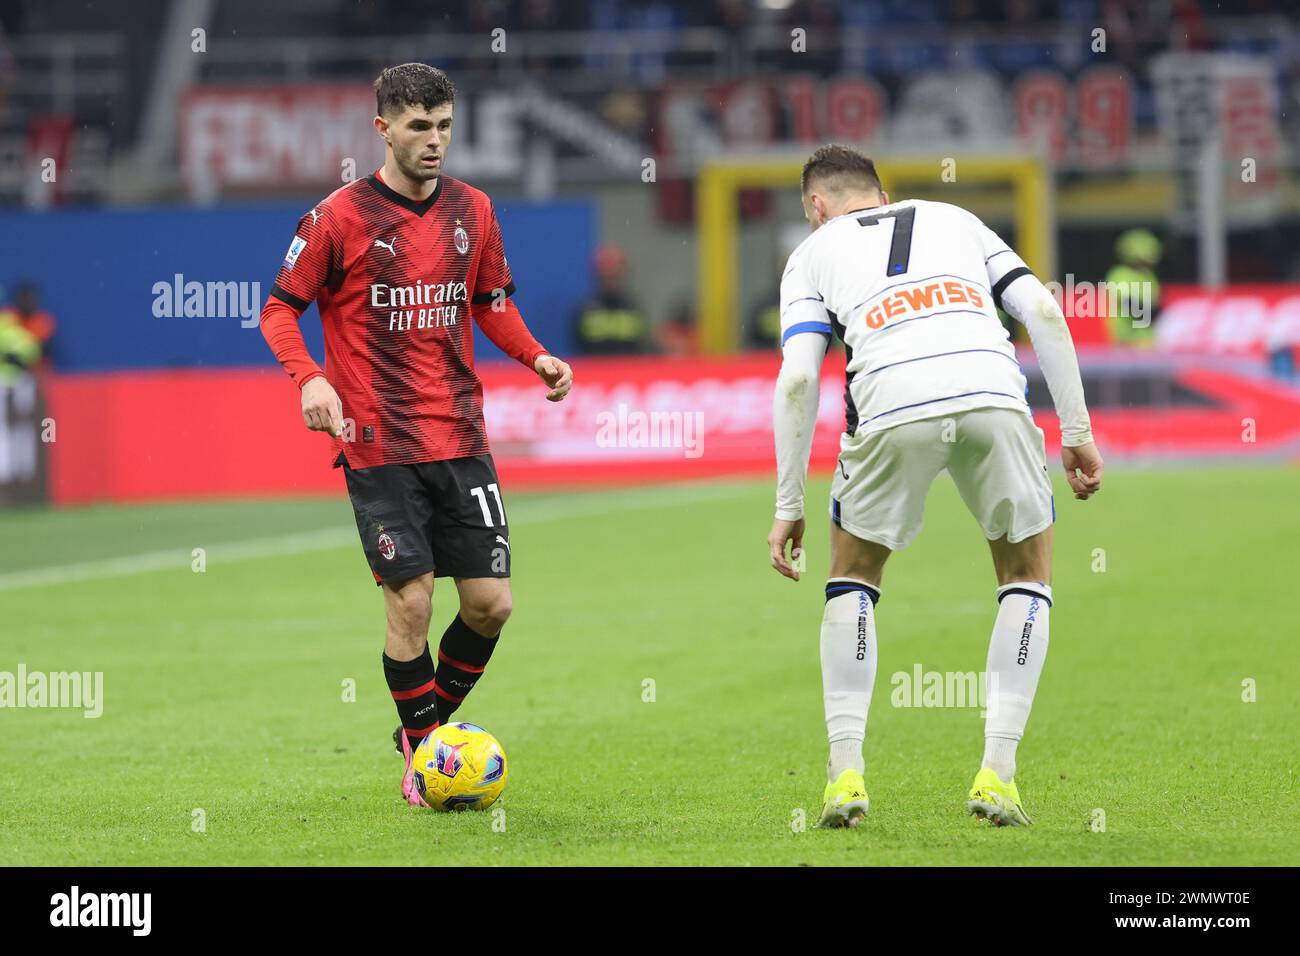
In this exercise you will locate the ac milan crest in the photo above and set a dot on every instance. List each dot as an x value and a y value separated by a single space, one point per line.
387 549
461 238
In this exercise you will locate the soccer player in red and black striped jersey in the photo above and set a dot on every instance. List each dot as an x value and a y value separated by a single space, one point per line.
399 263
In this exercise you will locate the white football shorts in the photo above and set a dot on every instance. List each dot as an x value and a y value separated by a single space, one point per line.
996 458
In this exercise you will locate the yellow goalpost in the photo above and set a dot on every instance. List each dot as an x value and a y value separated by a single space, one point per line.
717 217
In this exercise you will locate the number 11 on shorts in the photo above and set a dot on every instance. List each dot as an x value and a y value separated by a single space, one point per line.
482 503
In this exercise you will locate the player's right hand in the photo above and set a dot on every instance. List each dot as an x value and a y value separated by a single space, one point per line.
783 531
321 409
1083 467
557 375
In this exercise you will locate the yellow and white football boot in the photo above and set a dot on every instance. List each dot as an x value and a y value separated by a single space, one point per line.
999 803
846 802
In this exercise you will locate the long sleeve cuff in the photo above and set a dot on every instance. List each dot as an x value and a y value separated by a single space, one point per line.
279 324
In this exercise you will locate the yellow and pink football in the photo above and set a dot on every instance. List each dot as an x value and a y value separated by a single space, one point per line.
460 766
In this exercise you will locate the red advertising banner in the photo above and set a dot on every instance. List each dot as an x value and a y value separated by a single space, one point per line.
137 436
232 432
1239 320
645 419
254 138
251 140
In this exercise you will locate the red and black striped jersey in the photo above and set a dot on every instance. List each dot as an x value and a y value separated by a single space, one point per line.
396 281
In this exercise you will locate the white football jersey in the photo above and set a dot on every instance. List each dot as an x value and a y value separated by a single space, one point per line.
911 289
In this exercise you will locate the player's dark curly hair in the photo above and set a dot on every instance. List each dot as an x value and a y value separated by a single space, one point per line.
412 84
838 167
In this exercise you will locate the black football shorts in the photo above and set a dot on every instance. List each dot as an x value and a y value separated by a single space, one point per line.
447 517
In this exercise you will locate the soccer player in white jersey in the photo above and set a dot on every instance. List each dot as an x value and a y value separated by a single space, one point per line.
932 383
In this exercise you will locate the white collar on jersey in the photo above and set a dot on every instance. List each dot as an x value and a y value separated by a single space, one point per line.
858 212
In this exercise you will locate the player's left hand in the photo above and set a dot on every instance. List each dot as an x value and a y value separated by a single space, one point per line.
783 531
555 374
1083 467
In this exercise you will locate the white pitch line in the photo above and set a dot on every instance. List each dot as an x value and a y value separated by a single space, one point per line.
174 558
324 539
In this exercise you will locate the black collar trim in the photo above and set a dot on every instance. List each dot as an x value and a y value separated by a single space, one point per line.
419 208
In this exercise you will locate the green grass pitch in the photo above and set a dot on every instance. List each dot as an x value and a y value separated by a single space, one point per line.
226 739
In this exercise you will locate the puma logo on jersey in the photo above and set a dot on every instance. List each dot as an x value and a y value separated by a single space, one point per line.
505 542
314 217
387 245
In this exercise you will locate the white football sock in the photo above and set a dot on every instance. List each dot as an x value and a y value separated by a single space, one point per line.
1015 662
848 652
1000 756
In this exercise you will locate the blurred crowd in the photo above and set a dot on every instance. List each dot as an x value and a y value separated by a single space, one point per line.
612 322
1136 29
553 15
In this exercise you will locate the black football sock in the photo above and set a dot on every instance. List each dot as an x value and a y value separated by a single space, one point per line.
462 656
412 686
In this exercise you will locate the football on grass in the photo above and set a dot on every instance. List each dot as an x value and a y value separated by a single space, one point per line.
460 767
